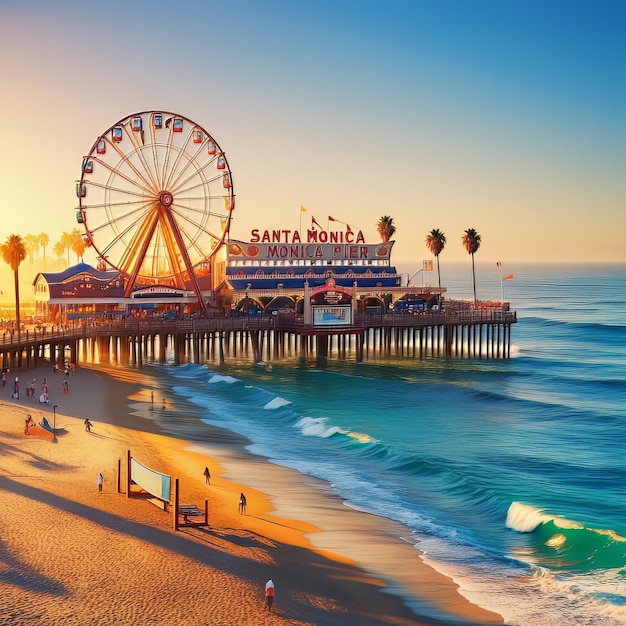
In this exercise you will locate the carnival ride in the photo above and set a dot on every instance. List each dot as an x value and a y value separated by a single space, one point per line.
155 199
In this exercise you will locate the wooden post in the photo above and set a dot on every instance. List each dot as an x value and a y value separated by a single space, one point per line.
206 512
176 503
119 475
128 474
220 339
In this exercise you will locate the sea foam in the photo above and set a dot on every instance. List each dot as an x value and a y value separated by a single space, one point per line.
317 427
218 378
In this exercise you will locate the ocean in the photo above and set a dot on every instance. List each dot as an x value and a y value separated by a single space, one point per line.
510 474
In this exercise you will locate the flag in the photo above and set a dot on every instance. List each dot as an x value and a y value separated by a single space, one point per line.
348 229
509 277
499 265
331 219
314 222
302 209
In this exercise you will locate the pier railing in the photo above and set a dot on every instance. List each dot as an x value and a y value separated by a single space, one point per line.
77 329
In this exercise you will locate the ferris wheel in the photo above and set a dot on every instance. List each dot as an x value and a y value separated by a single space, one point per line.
155 199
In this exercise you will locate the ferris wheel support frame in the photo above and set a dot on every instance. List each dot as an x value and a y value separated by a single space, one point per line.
132 277
187 261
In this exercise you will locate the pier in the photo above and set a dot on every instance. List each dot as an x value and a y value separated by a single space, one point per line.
472 334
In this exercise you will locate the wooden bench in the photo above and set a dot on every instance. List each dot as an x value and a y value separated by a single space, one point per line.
187 511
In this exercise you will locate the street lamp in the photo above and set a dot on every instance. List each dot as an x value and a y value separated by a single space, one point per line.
54 422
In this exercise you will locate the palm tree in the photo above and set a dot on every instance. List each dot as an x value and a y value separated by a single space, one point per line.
44 240
386 228
471 242
32 244
66 242
59 250
436 242
77 244
13 252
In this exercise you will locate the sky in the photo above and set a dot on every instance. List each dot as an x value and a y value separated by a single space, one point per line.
505 116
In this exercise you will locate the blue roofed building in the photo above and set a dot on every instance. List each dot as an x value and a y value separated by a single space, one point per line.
274 271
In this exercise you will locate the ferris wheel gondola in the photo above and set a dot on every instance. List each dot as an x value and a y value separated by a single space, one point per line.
155 199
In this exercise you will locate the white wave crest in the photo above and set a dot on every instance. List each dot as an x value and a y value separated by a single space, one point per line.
218 378
525 518
317 427
276 403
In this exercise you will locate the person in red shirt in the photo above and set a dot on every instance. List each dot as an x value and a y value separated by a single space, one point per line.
269 594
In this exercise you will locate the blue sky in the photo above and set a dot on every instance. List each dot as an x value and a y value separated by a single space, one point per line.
503 116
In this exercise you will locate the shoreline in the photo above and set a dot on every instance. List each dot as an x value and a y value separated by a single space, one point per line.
325 552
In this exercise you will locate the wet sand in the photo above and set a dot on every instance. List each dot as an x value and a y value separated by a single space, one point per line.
70 555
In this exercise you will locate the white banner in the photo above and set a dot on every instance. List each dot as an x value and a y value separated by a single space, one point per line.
153 482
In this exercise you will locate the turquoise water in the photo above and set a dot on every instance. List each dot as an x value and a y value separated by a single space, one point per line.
510 473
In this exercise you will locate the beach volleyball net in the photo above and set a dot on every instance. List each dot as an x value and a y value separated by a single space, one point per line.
152 482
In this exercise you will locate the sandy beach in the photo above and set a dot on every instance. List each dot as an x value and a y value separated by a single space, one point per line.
71 555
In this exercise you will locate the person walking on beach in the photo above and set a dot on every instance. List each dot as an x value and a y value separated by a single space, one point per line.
28 422
242 504
207 476
88 425
269 594
100 482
